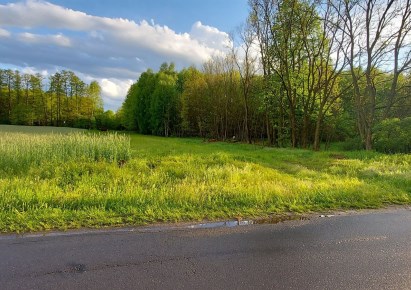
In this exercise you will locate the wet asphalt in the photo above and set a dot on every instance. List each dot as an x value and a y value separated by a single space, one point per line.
354 250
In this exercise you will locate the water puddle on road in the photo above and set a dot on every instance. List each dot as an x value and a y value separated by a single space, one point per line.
236 223
226 224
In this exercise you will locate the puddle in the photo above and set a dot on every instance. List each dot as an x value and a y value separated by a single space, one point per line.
236 223
326 215
226 224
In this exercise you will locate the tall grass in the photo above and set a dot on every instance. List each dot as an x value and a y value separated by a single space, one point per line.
20 151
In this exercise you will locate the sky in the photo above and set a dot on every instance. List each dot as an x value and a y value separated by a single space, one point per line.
114 41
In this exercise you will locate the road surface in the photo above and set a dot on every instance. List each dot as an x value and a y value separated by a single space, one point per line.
365 250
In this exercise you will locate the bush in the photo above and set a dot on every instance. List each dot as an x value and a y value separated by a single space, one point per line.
393 136
353 144
83 123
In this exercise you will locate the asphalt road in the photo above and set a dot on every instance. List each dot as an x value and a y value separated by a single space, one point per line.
369 250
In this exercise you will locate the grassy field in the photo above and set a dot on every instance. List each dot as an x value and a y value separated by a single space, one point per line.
38 130
146 179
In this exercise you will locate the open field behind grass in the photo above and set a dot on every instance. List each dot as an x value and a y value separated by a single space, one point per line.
38 130
171 179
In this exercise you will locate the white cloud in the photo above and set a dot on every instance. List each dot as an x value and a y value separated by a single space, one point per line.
32 71
210 36
32 13
114 88
4 33
112 50
200 44
57 39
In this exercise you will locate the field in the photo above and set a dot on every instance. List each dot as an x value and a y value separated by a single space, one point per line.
52 181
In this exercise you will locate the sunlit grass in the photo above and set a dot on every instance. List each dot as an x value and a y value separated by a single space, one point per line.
170 179
20 151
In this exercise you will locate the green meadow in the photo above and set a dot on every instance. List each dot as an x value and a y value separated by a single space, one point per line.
52 179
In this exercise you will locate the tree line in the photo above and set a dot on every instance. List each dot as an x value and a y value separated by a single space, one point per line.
61 100
300 72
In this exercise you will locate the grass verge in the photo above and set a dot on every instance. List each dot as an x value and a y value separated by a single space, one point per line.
170 179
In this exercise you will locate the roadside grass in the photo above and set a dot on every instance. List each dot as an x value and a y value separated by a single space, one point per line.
175 179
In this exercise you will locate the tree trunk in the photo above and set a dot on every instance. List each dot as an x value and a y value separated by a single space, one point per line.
267 120
316 145
368 138
293 123
246 125
304 135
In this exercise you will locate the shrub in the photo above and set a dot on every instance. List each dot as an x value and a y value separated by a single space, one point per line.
353 144
393 136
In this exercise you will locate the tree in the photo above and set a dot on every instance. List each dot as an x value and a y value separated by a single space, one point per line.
3 101
245 61
373 44
137 104
17 86
78 90
144 91
93 103
9 78
290 40
401 54
328 65
195 105
68 101
56 93
163 103
39 102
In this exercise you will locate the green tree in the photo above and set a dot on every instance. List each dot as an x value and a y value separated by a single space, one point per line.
194 105
373 44
163 105
246 64
38 99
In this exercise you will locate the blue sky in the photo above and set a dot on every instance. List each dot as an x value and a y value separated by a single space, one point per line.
114 41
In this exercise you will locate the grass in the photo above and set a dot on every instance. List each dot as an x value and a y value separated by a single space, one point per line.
172 179
21 151
38 130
